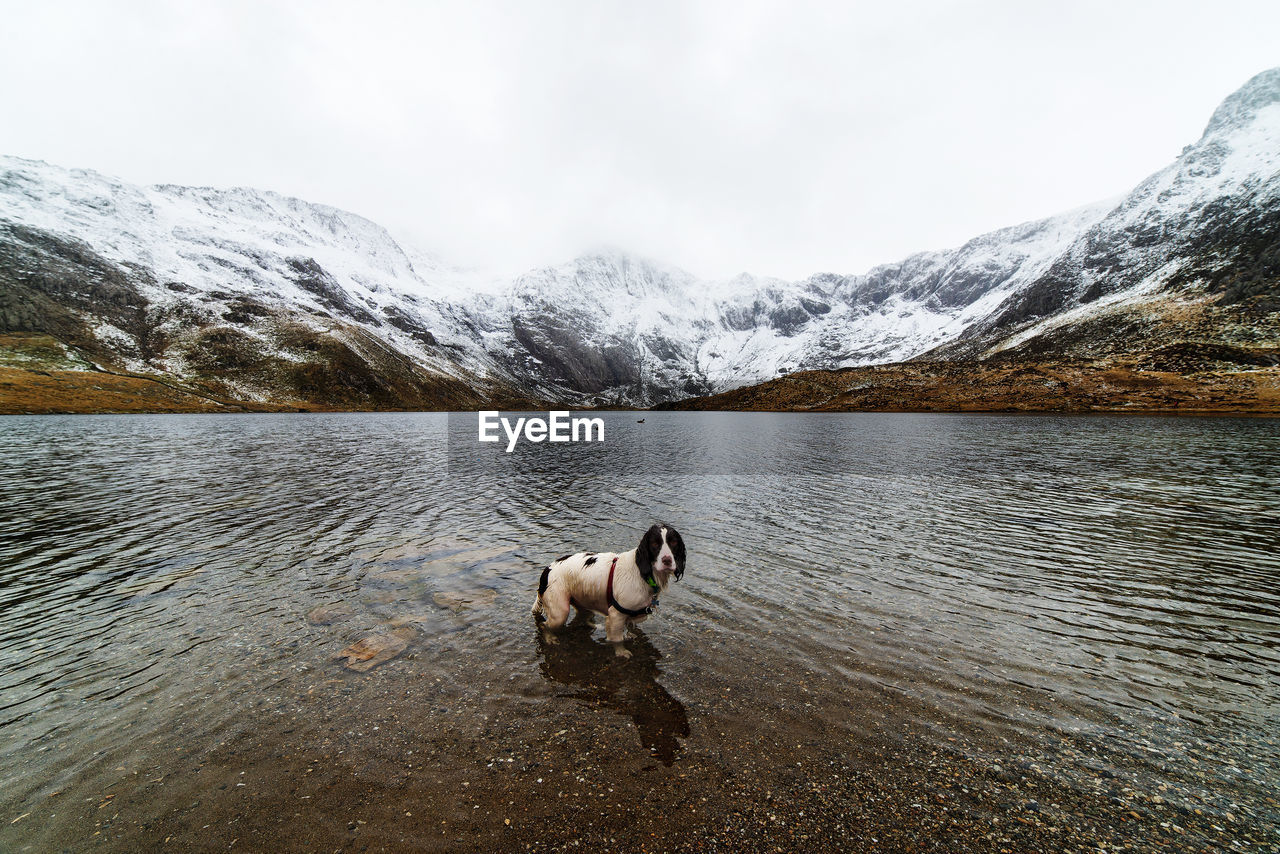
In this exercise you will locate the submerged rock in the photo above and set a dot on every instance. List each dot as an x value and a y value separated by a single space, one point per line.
396 576
407 551
368 652
408 620
457 600
334 612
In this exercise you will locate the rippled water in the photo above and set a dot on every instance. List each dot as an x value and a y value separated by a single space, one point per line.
1101 592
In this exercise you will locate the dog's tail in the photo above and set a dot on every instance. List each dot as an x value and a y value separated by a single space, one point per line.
542 588
542 582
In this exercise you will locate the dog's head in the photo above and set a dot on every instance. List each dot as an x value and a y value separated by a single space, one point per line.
661 551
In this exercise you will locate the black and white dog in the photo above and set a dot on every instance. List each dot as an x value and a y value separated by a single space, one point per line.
623 586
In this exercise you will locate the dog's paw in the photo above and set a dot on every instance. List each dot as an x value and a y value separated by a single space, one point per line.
550 638
621 651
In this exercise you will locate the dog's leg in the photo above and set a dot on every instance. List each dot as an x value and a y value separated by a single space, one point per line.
615 629
555 608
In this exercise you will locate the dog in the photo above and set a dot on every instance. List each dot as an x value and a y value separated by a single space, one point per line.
622 586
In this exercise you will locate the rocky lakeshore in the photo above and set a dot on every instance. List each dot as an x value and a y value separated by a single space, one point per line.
41 375
36 377
1057 386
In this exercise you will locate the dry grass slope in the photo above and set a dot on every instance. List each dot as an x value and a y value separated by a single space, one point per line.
1006 387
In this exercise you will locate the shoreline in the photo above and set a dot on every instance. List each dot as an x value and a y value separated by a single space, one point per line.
943 388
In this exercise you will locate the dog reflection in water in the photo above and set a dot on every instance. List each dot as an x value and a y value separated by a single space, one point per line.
628 687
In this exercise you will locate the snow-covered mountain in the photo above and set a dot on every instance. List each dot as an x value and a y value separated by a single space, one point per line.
255 295
1207 225
610 323
238 263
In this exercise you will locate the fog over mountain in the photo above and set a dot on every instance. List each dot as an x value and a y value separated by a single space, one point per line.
248 295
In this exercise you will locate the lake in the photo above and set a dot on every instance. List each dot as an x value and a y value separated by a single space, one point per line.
896 631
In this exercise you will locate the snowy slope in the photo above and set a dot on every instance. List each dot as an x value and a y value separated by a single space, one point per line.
1206 221
606 326
654 333
210 247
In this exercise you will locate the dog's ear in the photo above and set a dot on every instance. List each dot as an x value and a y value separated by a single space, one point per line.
647 551
677 549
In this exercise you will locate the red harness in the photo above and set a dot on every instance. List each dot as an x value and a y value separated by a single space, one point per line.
608 592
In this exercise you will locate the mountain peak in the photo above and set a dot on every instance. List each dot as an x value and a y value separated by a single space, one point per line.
1241 106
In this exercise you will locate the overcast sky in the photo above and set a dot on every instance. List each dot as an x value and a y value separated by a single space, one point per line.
777 138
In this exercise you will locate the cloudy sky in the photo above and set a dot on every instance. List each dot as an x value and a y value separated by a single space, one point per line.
779 138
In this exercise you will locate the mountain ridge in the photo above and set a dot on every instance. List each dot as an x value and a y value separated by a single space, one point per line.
263 298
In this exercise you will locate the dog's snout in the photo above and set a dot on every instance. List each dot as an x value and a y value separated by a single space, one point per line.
667 560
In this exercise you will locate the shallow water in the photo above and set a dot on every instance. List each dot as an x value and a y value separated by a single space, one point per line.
1092 598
